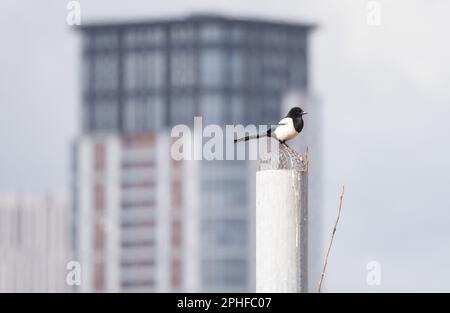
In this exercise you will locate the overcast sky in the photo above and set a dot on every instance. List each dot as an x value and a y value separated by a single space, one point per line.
386 103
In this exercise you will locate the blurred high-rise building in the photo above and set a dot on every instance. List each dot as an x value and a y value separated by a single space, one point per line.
33 243
144 222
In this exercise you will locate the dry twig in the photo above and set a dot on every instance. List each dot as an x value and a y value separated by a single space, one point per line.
325 262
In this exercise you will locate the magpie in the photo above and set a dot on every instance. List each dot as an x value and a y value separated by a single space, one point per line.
286 129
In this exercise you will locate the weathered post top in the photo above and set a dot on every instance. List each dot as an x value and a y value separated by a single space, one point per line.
282 221
283 158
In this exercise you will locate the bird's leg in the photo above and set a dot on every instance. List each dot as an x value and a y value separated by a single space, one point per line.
285 144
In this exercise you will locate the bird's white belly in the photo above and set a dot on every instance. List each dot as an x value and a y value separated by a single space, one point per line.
285 132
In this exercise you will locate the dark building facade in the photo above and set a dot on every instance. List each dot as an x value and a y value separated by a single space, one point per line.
142 77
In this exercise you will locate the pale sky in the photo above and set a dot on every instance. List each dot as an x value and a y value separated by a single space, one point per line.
386 109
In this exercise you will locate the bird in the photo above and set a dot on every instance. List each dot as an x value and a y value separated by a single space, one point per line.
287 128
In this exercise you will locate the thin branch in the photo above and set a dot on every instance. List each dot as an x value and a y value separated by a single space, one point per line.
325 262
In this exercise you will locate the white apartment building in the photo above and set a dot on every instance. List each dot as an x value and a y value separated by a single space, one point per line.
143 224
33 243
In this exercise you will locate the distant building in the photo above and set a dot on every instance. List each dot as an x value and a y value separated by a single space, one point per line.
174 226
134 214
33 244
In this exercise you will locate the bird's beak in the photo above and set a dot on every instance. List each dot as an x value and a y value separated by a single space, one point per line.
304 113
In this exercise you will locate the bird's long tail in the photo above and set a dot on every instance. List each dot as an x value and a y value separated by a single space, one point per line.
246 138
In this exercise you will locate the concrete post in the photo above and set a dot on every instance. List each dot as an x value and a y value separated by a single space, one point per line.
282 229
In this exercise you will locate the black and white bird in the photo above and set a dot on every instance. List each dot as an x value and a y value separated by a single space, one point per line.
288 128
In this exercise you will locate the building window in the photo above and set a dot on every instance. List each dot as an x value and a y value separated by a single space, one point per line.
275 61
237 69
297 40
270 108
223 273
143 114
182 68
105 40
86 74
142 285
106 72
176 273
85 116
182 110
105 115
144 37
236 107
182 34
238 34
212 109
254 36
275 69
298 71
99 196
99 276
144 70
254 110
99 157
254 68
224 233
99 237
87 41
275 38
176 194
176 233
276 82
212 32
223 194
212 67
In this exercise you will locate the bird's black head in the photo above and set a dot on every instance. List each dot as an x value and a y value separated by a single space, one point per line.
295 112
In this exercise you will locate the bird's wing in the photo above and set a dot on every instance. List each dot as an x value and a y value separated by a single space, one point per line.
285 129
284 121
